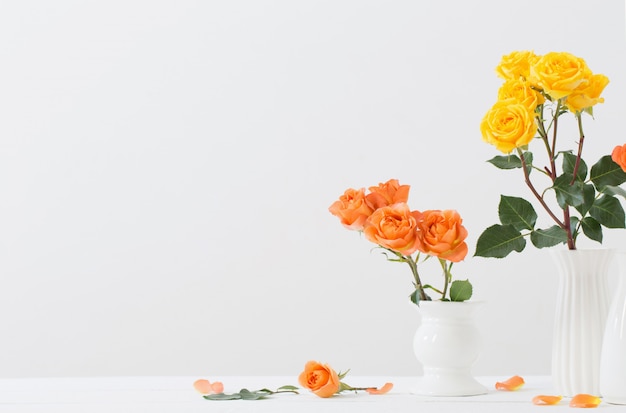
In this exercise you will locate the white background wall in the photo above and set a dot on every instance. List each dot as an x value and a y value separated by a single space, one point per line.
166 169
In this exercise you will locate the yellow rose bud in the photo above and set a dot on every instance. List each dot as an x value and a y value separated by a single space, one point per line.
587 97
559 74
516 65
522 92
508 125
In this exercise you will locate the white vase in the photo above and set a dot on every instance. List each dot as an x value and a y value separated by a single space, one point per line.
613 358
447 343
582 304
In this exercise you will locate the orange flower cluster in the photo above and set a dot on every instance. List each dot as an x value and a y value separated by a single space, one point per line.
386 219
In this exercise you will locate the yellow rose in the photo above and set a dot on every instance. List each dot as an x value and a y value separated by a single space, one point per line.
516 65
586 97
508 125
522 92
559 74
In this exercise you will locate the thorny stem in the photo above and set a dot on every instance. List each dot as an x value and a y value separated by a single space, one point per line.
535 193
551 149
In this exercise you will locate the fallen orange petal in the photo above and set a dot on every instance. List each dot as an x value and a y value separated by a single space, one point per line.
584 400
544 400
202 386
382 390
217 387
510 384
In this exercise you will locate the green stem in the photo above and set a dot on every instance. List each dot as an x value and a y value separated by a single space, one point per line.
418 282
544 137
555 121
580 146
447 276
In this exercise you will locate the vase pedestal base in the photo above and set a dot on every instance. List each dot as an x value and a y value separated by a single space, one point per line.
439 382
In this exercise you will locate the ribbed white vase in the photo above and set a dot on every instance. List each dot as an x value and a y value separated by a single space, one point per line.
582 304
447 343
613 359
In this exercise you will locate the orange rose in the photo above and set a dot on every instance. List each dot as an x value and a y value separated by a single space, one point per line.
389 193
393 227
442 235
351 209
321 379
619 156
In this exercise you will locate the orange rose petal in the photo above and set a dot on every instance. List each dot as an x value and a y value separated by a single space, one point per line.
217 387
382 390
584 400
203 386
511 384
545 400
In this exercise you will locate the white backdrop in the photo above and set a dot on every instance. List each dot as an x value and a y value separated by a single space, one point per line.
166 169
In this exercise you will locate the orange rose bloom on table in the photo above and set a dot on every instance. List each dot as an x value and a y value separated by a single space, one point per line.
325 382
406 234
320 379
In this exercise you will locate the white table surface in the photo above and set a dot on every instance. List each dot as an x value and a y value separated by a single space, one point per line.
176 394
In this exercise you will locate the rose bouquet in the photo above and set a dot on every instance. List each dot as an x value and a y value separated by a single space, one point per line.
385 219
537 95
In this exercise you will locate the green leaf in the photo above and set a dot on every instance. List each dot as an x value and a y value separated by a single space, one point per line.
512 161
592 229
460 290
415 297
506 162
517 212
589 196
608 211
567 194
606 172
498 241
288 387
614 190
569 163
223 396
254 395
549 237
